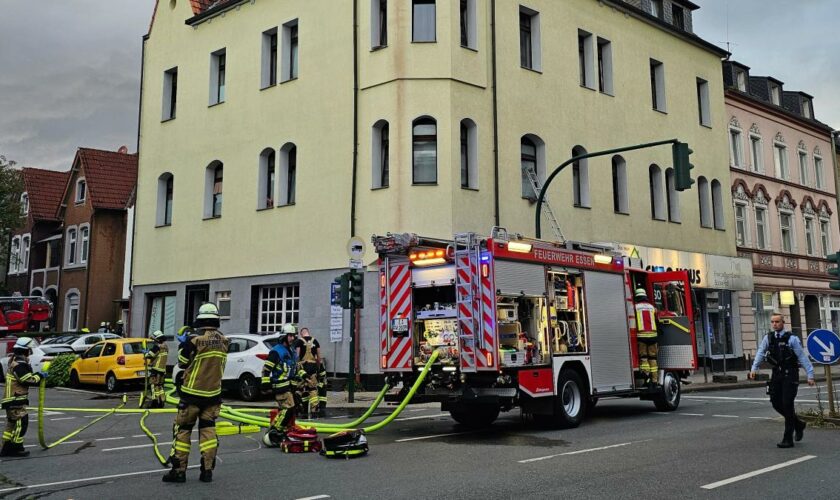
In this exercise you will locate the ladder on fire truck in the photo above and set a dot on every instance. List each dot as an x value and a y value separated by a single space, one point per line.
467 286
546 206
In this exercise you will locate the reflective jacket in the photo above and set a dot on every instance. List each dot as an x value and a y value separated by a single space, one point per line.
279 369
203 358
156 357
18 379
645 320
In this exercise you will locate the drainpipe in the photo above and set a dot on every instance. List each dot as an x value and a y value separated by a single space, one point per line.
835 140
355 115
127 326
496 217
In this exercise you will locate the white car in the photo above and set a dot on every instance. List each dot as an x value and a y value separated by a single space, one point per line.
36 359
83 342
243 370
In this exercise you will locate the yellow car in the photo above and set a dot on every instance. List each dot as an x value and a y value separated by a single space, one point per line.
110 362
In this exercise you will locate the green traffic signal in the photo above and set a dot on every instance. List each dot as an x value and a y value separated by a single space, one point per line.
682 166
357 289
834 271
343 283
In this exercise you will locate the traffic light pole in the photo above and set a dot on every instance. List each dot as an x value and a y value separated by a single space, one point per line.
351 371
559 169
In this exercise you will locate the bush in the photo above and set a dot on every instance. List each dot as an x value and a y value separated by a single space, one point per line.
59 373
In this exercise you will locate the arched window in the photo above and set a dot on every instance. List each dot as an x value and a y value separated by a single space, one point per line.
619 184
580 178
532 159
717 205
213 183
380 155
657 203
424 165
71 306
265 182
704 195
164 199
24 204
672 195
469 154
287 178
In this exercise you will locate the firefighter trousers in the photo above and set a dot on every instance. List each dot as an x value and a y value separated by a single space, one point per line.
17 422
309 393
156 395
207 440
286 411
648 351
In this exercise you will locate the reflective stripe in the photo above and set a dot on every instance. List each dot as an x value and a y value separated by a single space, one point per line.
209 445
182 446
199 392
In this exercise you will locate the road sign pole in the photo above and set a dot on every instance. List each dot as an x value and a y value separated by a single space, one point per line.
351 371
830 386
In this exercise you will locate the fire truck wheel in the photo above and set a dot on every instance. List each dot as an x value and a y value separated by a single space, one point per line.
669 397
569 405
475 416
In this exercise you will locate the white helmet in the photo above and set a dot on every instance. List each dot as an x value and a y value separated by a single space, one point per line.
157 335
208 311
26 343
289 329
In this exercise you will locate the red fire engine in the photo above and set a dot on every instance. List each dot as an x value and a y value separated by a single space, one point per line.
547 327
19 314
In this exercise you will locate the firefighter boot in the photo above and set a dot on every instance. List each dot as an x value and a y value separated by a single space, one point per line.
206 475
175 475
6 451
15 450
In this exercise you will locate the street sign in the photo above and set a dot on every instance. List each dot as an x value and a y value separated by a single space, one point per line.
356 264
336 323
355 248
824 346
334 295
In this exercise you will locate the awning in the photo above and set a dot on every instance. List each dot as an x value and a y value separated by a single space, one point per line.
51 238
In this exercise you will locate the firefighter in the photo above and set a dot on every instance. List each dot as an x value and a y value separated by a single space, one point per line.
646 336
203 358
279 370
322 387
155 358
16 397
308 353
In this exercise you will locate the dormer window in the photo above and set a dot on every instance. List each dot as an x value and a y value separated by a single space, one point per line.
807 112
656 9
678 16
741 80
81 191
24 204
775 94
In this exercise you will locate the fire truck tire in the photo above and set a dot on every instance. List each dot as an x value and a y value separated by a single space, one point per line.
570 403
476 416
669 397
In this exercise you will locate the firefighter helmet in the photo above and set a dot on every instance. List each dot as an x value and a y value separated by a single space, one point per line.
289 329
207 317
157 335
25 344
641 294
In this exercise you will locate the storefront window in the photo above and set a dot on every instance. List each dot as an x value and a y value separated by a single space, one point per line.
762 305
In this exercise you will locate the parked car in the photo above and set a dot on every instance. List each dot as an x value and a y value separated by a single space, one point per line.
110 363
60 339
82 342
243 370
36 359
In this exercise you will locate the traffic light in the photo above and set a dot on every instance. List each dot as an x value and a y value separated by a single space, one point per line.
682 166
357 289
834 271
343 283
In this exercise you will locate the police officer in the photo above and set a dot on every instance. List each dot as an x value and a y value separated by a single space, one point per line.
785 354
308 352
279 370
156 357
646 336
203 358
16 397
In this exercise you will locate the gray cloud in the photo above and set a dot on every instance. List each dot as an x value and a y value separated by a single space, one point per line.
791 41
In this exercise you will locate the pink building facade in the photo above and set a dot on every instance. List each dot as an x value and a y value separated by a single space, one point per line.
785 205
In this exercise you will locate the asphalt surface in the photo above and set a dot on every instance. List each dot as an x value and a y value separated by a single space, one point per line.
626 449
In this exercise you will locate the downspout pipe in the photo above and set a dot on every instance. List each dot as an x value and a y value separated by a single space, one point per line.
835 140
496 217
131 300
355 116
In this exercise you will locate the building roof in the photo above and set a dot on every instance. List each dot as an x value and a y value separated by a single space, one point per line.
45 189
110 176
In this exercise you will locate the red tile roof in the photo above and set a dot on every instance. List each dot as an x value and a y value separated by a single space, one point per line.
200 6
45 189
110 176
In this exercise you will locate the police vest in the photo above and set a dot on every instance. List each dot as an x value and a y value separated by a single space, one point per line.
645 320
206 364
779 353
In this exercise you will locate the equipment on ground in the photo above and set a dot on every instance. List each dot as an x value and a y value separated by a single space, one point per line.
345 444
545 326
301 440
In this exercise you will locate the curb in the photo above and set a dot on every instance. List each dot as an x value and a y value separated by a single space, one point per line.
744 384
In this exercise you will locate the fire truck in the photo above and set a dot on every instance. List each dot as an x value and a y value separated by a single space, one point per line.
19 314
546 327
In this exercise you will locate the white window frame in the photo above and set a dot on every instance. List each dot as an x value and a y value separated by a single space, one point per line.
741 80
704 108
605 66
586 44
80 195
819 172
266 62
24 204
276 304
704 193
290 60
825 236
287 196
471 25
756 149
169 103
536 49
209 189
84 244
377 163
265 201
72 316
218 88
804 178
658 93
160 212
25 244
761 230
791 232
736 147
223 296
775 94
415 36
14 255
539 165
717 205
810 237
378 39
72 247
780 160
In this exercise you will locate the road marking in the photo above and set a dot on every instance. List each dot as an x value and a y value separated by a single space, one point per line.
580 451
87 479
316 497
421 417
66 442
748 475
763 418
109 439
147 445
143 435
433 436
744 400
692 414
726 416
64 418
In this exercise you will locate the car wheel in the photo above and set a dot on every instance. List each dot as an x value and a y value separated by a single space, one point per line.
668 398
569 404
111 382
74 379
248 388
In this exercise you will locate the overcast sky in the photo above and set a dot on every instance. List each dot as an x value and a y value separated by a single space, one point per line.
70 69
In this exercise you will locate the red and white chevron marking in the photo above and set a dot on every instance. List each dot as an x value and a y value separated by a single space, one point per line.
466 308
488 319
398 355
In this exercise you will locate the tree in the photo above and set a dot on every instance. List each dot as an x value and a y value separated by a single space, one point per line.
11 187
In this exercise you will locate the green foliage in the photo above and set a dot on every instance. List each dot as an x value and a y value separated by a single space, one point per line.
11 187
59 373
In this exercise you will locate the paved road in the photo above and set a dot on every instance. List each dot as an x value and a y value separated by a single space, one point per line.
625 450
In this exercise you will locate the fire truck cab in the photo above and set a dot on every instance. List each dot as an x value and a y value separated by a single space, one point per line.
546 327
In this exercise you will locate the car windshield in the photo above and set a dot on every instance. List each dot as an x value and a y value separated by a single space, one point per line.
133 348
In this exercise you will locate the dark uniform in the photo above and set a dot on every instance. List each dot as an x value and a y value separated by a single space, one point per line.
203 358
15 400
307 349
322 386
278 371
156 364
